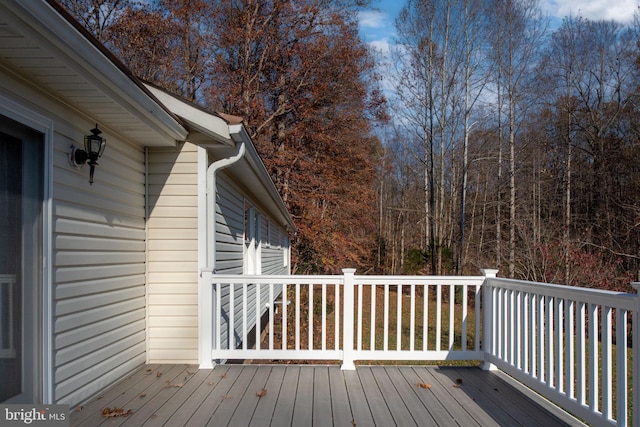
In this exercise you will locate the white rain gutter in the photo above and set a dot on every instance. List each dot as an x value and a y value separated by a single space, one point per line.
211 202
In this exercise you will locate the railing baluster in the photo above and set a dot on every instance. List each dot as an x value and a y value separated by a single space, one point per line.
593 358
271 323
244 316
218 320
569 328
297 325
607 375
541 337
549 357
310 327
360 319
258 321
399 318
337 337
372 326
385 345
452 303
425 318
558 344
285 307
463 344
581 347
622 384
478 320
412 321
324 317
438 316
532 333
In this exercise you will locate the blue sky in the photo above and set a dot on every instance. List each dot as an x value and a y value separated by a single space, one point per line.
376 26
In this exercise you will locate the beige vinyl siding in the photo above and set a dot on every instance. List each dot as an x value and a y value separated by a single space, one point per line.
173 255
98 266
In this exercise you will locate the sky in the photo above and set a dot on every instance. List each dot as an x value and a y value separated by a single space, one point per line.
376 26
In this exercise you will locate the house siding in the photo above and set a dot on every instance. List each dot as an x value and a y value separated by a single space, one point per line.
173 255
98 267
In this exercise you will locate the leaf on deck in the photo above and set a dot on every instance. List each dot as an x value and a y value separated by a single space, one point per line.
424 385
262 392
116 412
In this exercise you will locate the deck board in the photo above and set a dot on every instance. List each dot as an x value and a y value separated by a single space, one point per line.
319 396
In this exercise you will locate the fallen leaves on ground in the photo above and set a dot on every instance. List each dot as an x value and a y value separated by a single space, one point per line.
116 412
171 385
262 392
424 385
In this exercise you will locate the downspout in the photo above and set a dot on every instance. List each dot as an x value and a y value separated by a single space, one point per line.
206 303
211 202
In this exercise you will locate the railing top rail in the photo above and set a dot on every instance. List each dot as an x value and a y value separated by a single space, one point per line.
612 299
277 279
429 280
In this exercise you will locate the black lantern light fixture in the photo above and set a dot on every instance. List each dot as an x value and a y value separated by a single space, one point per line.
94 146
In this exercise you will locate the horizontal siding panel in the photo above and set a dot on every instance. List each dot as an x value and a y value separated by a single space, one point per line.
173 267
173 245
173 222
173 356
173 310
190 278
170 169
174 299
172 234
93 214
172 332
175 343
107 346
88 346
101 375
169 256
173 190
71 321
75 243
91 302
183 323
97 329
159 155
175 179
173 288
77 274
173 201
71 290
173 212
95 258
111 206
88 229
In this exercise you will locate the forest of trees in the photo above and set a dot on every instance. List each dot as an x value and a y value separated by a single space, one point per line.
500 142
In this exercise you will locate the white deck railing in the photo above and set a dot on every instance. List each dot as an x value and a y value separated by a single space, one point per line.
569 344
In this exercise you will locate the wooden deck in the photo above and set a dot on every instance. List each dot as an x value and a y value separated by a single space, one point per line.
314 395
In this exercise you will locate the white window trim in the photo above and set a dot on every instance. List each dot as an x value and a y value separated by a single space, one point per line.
30 118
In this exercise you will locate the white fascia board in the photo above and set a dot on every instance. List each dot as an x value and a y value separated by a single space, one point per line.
198 120
65 42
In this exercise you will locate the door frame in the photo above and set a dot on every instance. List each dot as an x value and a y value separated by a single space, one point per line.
44 331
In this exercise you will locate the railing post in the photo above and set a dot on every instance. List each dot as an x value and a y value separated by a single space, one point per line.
347 319
635 368
487 319
205 319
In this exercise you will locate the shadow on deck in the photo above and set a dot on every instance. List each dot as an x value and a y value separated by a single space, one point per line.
314 395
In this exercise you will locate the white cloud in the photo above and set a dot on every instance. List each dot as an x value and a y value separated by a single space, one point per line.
372 19
618 10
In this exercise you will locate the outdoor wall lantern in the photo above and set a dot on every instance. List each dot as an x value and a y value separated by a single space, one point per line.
94 146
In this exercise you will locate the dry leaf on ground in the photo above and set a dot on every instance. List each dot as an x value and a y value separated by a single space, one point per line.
424 385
